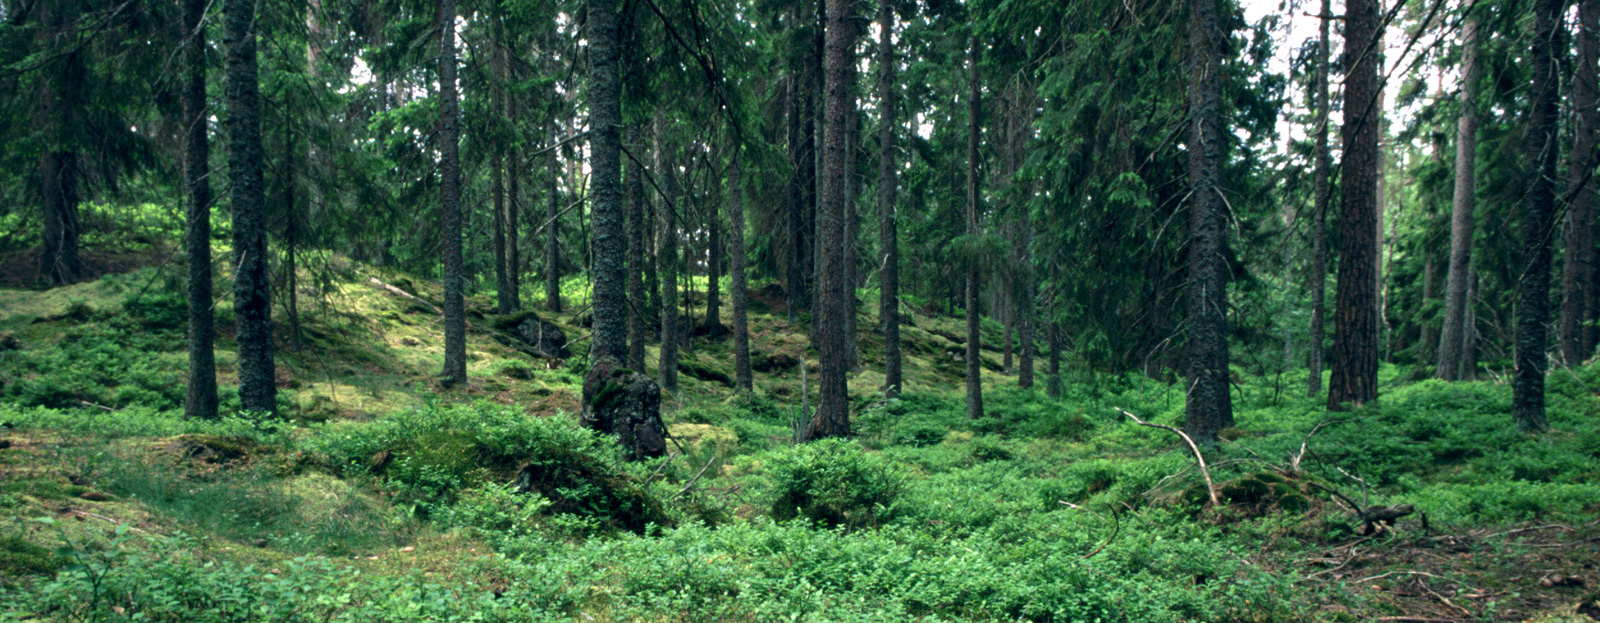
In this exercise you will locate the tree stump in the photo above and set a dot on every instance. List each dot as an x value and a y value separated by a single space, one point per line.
627 404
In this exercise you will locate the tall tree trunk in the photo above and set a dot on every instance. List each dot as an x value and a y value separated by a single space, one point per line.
713 323
1054 388
1576 277
1318 279
605 165
552 246
743 381
1026 323
667 257
1456 303
511 220
1538 215
832 418
888 234
1209 405
502 274
60 104
455 316
1355 332
59 263
974 341
504 302
252 302
852 222
201 398
634 183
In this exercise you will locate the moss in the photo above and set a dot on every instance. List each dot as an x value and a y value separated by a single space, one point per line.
607 393
19 557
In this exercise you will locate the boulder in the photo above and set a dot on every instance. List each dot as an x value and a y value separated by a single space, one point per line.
627 404
543 339
775 362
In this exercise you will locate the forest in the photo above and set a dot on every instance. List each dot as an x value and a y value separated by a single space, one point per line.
799 310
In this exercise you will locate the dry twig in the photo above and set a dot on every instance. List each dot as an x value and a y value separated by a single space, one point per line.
1211 489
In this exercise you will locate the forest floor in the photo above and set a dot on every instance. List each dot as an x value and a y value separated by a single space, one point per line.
381 496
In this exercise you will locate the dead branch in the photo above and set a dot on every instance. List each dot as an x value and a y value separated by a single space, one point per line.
1211 489
696 478
1294 461
1116 527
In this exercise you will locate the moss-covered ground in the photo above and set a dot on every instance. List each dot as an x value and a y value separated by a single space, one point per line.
378 495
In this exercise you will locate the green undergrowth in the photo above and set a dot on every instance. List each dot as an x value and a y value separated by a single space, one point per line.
381 497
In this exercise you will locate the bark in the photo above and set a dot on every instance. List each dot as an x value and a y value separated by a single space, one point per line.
1208 407
252 302
200 401
634 183
497 192
852 223
888 234
1054 387
552 247
1538 216
455 316
832 418
743 380
713 323
60 112
59 262
1026 323
605 165
1318 279
974 379
1576 273
504 301
511 220
667 258
1456 303
1355 332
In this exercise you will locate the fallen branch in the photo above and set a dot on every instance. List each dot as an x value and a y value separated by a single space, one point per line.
1116 528
1442 598
696 478
1294 461
402 293
1211 489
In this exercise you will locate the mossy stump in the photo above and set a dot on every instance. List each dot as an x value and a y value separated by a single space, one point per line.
624 403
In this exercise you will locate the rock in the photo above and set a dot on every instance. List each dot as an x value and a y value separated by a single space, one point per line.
621 402
543 339
95 496
773 363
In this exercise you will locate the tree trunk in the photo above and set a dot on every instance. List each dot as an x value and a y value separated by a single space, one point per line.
552 247
743 381
1538 214
504 303
1054 388
888 234
1026 323
59 263
1318 279
201 398
1209 405
1355 332
1456 303
60 107
605 165
667 257
634 183
974 341
252 302
1576 277
455 317
713 322
832 418
852 223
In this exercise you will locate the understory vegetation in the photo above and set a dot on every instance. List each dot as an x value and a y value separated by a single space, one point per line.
379 497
